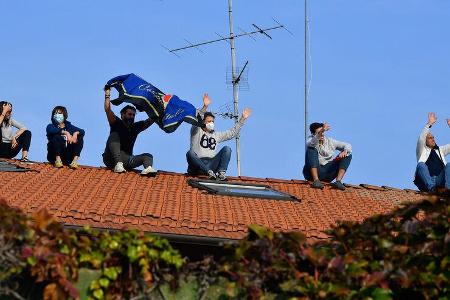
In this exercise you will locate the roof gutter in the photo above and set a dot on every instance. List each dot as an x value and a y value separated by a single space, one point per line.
174 238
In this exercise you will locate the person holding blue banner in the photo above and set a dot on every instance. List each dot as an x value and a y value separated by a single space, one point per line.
118 154
166 110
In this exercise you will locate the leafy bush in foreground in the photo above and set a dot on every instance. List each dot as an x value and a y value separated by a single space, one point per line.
401 255
41 250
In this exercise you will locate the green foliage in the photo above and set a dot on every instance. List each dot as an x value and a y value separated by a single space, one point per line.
402 255
38 247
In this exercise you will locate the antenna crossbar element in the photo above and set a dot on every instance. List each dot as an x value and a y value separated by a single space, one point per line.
228 38
262 31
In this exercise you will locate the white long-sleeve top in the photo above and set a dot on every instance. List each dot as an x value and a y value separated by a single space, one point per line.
7 130
423 151
204 143
327 148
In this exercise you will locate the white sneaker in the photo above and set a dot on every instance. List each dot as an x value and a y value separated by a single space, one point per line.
149 171
119 168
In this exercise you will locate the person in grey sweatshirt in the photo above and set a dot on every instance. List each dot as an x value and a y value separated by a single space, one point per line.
432 170
12 141
320 163
202 157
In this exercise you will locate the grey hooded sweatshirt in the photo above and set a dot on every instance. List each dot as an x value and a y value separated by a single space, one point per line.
204 143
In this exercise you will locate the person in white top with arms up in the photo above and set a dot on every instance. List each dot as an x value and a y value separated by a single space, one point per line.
432 169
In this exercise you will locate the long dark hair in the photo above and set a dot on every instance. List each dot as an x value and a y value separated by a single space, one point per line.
5 121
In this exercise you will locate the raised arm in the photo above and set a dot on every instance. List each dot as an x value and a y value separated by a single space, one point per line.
233 132
423 135
314 139
147 123
446 148
109 113
5 109
206 102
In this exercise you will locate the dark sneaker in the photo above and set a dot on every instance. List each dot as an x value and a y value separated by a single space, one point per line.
339 185
221 176
212 175
24 159
317 184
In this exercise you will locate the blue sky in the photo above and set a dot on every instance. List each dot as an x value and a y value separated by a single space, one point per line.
378 67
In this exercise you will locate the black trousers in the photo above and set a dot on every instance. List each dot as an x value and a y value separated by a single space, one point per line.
56 146
113 155
23 141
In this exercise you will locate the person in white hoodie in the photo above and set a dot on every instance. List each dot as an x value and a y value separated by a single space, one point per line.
202 157
432 169
320 163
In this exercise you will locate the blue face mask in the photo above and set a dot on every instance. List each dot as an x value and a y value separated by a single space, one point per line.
58 118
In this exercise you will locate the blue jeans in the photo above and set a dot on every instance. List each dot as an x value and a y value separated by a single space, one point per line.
327 172
197 165
426 183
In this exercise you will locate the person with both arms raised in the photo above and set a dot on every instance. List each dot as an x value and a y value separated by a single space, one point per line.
432 169
65 141
118 154
320 163
202 157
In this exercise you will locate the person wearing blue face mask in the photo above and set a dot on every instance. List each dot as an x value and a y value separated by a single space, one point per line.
202 157
65 141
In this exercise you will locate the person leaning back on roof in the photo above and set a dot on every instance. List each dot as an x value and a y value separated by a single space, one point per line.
12 142
320 163
118 153
432 170
65 141
202 157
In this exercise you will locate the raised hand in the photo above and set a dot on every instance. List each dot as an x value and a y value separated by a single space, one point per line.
448 122
206 100
246 113
326 127
432 118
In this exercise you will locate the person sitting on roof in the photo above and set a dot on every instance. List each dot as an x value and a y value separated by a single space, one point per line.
118 154
320 163
202 157
432 170
12 142
65 141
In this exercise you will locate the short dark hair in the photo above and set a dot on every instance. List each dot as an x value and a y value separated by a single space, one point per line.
314 126
127 107
62 109
208 114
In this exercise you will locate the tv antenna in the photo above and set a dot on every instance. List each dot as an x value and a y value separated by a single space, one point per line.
236 76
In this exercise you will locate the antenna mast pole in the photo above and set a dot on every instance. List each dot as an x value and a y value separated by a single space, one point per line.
306 71
235 84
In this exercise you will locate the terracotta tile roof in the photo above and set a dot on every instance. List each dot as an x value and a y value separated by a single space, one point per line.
167 204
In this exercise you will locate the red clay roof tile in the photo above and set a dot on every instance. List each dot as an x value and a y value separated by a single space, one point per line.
166 203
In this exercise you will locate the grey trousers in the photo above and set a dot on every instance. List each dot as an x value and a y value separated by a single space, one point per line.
113 155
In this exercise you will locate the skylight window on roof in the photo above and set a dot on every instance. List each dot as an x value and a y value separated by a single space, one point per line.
240 189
